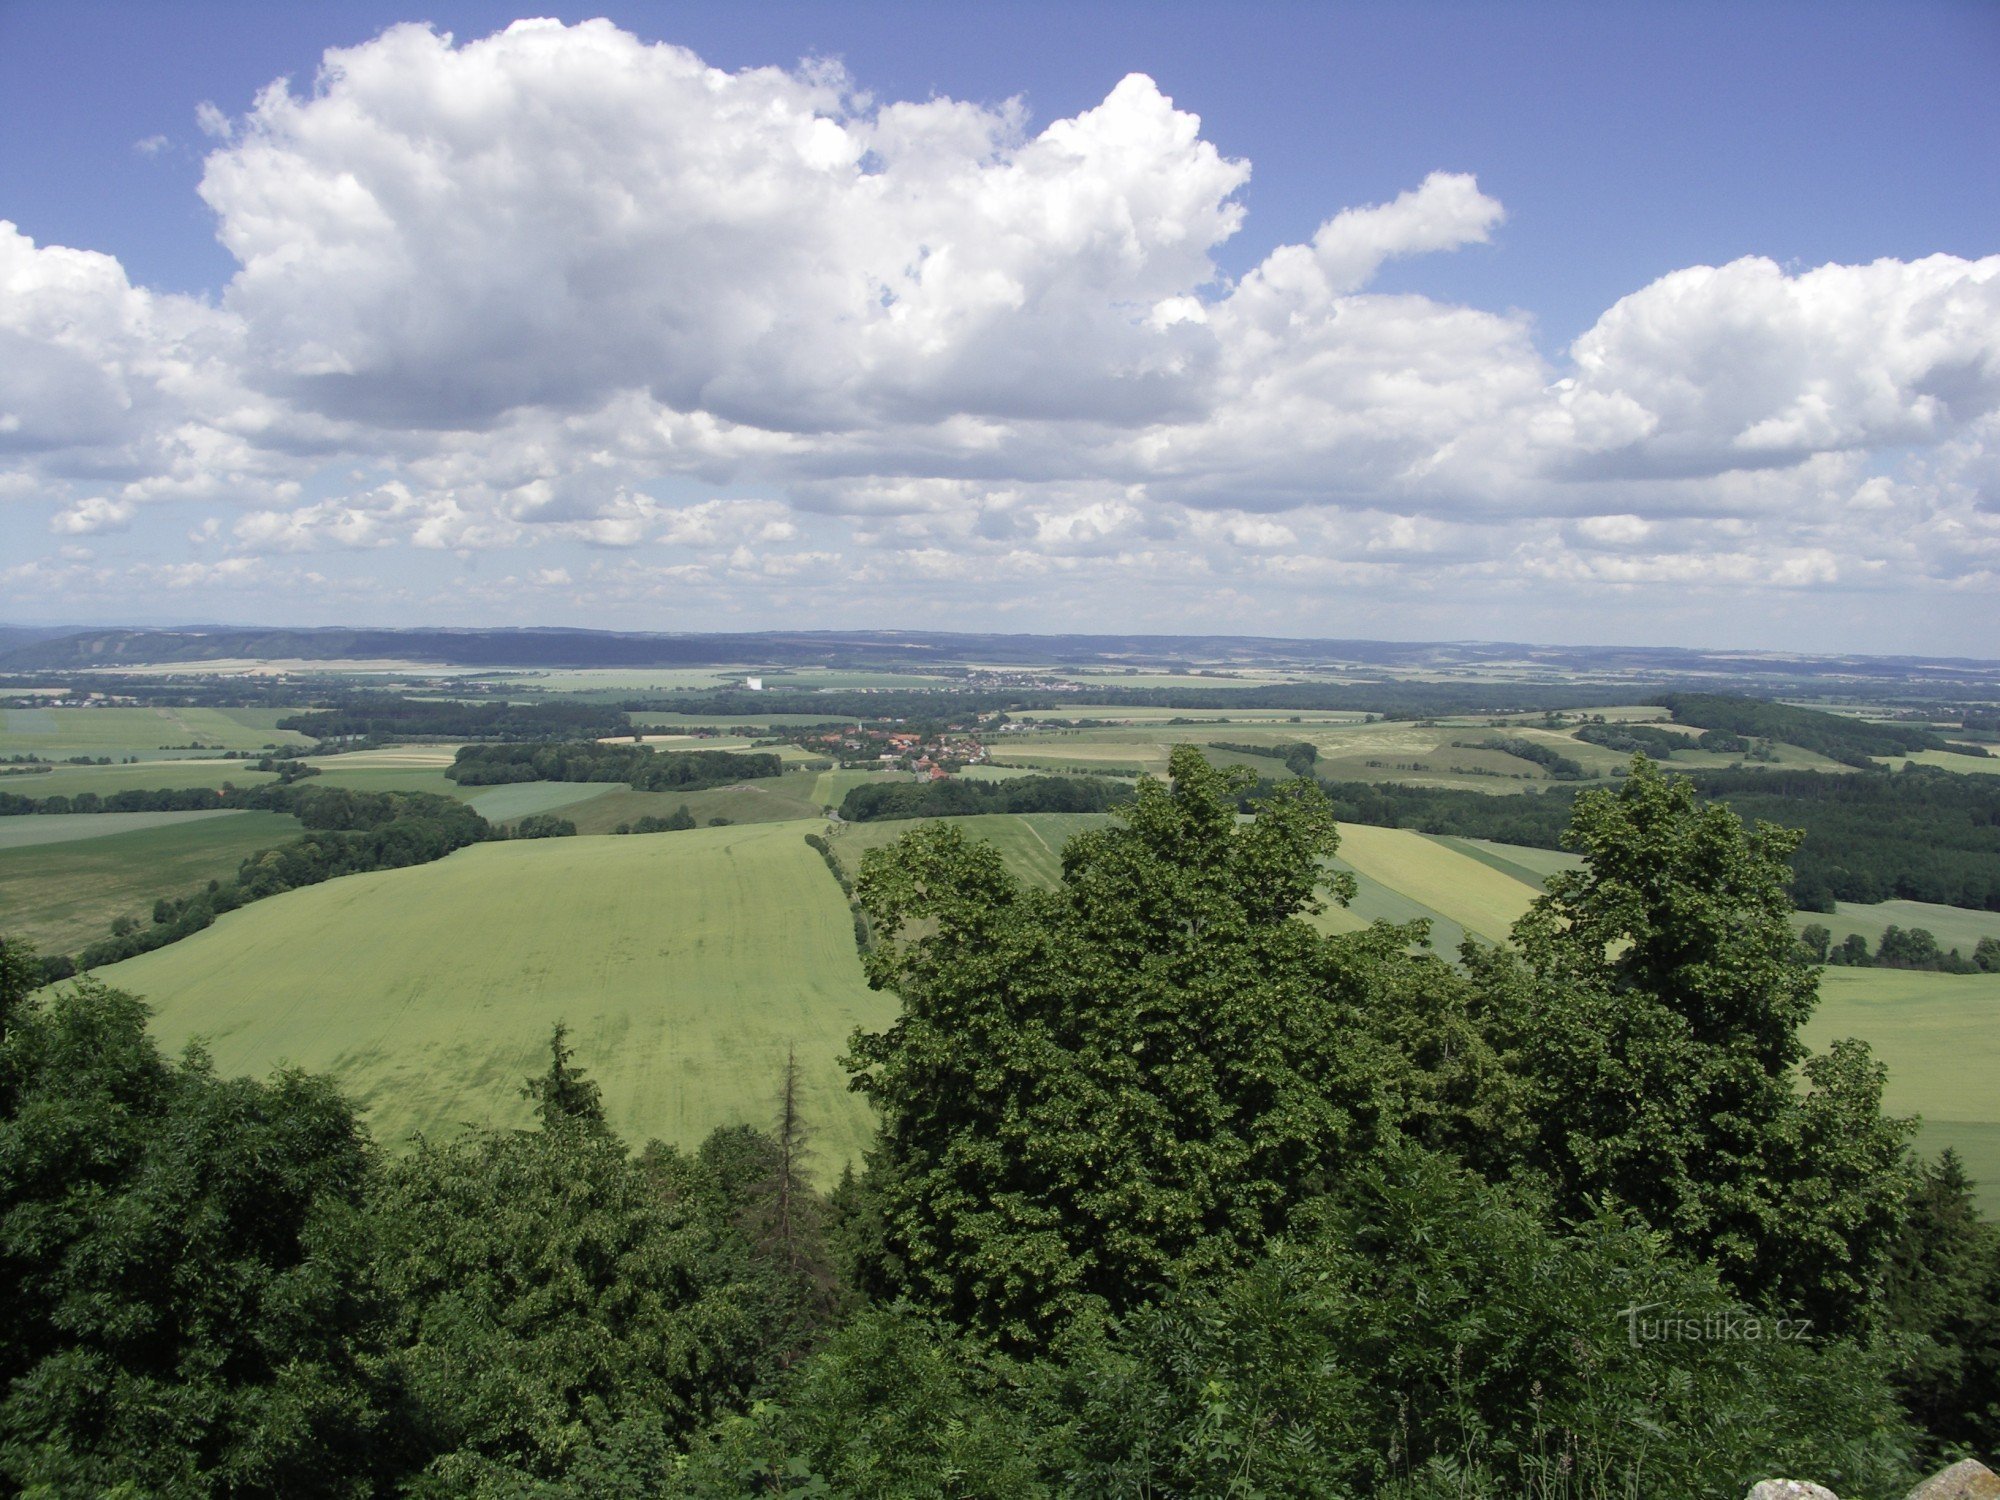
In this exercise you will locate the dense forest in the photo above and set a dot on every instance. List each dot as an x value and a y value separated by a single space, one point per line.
642 768
385 716
1917 834
1850 741
1172 1195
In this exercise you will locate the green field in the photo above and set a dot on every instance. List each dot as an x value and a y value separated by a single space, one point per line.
1939 1034
380 778
56 733
1030 843
684 966
62 896
1402 876
1944 760
148 776
1953 926
506 804
38 830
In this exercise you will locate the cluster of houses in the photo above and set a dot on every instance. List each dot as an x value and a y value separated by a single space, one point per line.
935 755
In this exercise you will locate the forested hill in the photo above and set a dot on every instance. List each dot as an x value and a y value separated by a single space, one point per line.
1916 835
383 716
1852 742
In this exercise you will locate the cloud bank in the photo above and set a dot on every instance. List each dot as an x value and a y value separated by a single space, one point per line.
758 343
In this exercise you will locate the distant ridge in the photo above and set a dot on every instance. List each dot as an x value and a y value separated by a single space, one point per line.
41 650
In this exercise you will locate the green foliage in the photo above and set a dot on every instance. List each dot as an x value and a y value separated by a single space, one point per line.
1654 1017
1094 1090
1559 766
1424 1334
1942 1300
638 766
382 716
1837 737
675 822
544 826
181 1270
555 1309
955 797
1634 739
894 1407
1299 756
350 832
564 1098
21 974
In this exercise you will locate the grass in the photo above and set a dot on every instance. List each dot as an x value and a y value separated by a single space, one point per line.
684 966
1031 844
60 896
38 830
1953 926
505 804
1469 892
770 799
1939 1034
158 775
1529 866
1944 760
56 733
385 778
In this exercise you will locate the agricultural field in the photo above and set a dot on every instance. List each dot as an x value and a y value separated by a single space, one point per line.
58 733
830 788
61 895
1939 1035
517 800
1030 843
669 722
147 776
39 830
684 966
1944 760
1953 926
381 778
1128 714
768 799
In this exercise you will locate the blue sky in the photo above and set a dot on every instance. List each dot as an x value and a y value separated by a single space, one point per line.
1515 406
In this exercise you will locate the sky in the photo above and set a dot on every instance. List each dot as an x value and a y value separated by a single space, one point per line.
1664 324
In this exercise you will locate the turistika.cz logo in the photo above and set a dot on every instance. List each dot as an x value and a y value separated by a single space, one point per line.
1710 1328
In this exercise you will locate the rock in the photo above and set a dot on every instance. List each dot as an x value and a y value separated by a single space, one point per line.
1791 1489
1969 1480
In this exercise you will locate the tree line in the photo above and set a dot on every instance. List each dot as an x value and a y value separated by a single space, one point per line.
957 797
641 767
387 716
1917 834
347 832
1172 1194
1852 742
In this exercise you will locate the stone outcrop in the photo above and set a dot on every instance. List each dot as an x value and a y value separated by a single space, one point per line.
1968 1480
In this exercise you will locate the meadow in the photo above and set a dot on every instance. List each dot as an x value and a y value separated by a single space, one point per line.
683 964
60 896
1939 1035
58 733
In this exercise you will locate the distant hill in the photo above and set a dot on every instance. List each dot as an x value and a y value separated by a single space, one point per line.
25 649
